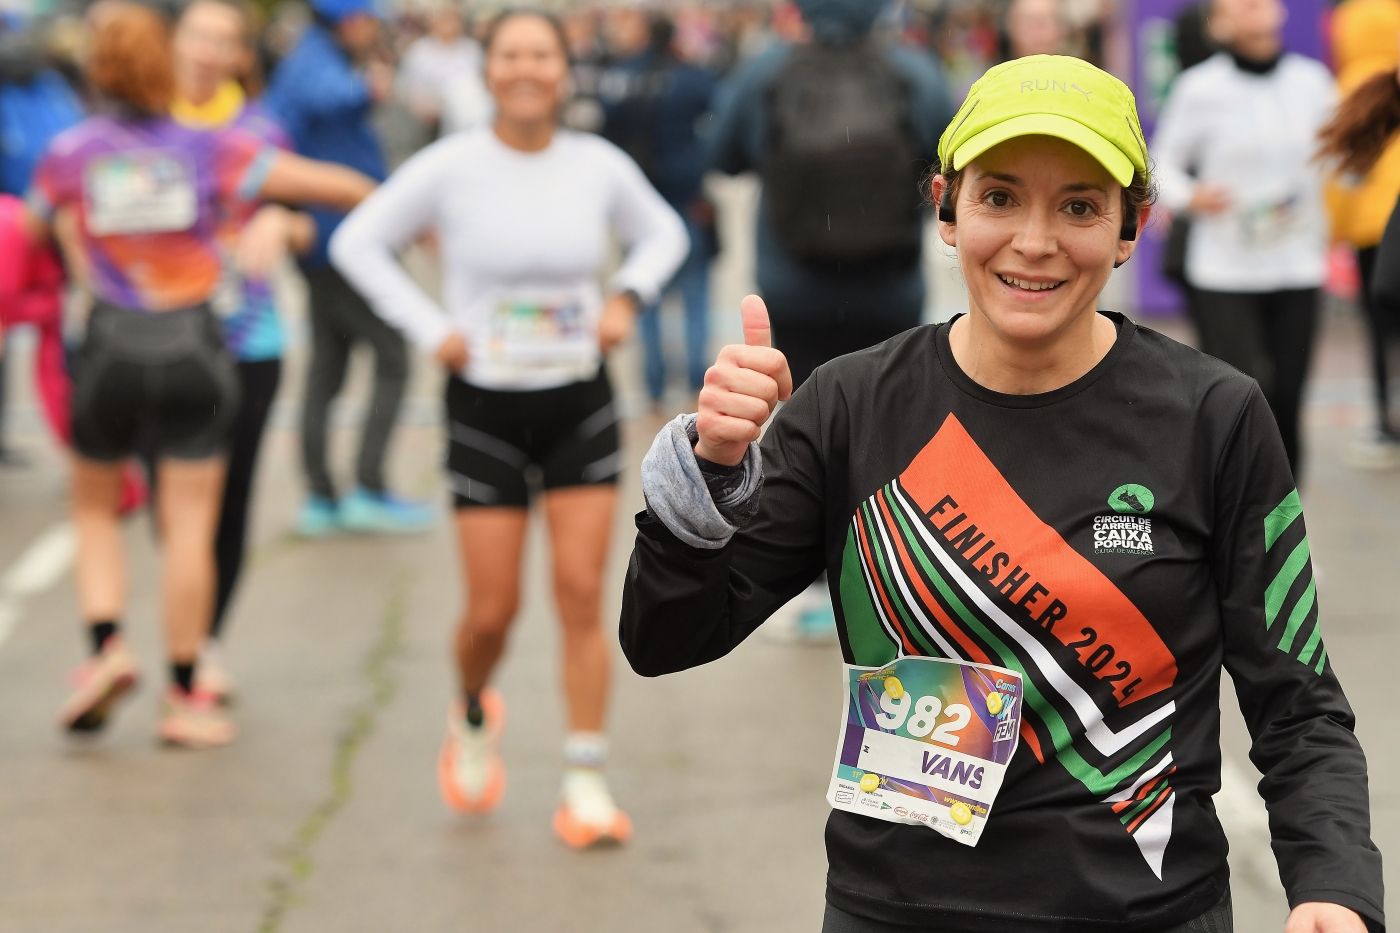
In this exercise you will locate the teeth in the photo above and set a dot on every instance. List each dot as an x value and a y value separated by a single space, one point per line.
1029 286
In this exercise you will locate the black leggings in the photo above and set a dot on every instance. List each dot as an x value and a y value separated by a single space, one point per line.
1383 326
1267 335
259 380
340 319
1219 919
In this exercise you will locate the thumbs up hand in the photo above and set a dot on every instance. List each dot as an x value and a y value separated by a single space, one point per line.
741 389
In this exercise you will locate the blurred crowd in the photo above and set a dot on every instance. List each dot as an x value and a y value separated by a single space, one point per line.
424 59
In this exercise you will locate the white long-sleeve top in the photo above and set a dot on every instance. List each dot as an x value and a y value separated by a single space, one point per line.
1255 135
523 237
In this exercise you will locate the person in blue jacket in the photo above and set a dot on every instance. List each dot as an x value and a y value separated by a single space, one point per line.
655 107
324 93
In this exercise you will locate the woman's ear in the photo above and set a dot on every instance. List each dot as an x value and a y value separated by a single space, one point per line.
947 217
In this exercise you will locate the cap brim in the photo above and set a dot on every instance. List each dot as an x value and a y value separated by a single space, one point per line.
1049 124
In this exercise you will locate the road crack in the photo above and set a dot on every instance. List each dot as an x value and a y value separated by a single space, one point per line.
298 862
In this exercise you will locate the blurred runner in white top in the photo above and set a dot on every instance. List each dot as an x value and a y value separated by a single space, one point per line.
440 76
523 211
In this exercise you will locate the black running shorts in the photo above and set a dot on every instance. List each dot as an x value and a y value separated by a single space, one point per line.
159 382
502 445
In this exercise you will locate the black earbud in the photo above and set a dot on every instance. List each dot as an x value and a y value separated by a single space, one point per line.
946 213
1129 229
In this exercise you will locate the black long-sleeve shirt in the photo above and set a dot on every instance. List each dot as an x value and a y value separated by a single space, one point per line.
1117 541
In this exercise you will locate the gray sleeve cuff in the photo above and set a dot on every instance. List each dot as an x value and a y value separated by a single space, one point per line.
679 496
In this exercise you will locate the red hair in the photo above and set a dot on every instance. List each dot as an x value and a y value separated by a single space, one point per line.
131 59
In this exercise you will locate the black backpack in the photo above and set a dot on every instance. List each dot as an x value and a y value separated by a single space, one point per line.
841 179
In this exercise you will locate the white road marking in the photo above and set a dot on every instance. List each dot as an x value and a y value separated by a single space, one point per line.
42 564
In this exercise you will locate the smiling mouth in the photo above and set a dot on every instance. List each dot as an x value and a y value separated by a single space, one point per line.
1027 285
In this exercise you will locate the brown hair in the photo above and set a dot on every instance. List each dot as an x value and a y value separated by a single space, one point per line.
1365 121
511 13
130 61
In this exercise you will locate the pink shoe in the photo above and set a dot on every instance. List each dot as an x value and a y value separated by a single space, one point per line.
211 677
194 720
101 682
471 774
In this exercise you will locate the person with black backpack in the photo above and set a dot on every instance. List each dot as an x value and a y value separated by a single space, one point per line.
841 129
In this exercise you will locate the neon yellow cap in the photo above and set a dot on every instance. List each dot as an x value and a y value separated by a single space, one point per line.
1049 95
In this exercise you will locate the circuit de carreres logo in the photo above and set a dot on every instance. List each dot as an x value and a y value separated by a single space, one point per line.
1128 530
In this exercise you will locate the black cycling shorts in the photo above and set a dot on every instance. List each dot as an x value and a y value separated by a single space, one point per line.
160 382
502 445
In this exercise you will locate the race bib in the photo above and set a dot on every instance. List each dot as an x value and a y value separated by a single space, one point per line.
541 330
1262 223
926 741
150 191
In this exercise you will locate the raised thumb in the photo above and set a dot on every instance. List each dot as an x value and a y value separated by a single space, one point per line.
757 331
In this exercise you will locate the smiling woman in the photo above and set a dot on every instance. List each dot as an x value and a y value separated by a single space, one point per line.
1047 532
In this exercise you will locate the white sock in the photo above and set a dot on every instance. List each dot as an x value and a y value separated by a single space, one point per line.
586 750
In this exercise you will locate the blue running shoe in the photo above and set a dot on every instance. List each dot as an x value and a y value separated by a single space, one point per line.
382 512
319 518
816 625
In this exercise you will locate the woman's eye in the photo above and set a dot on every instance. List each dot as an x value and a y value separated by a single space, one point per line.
1081 208
997 198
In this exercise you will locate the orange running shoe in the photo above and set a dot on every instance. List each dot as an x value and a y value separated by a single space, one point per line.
587 815
101 682
471 774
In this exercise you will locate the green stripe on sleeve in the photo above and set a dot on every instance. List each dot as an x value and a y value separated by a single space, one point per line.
1277 521
1283 582
1297 617
1310 646
1321 661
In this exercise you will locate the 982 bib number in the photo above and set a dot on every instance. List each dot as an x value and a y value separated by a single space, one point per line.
920 717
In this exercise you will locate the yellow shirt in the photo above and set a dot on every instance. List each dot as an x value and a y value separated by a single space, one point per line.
1365 41
217 111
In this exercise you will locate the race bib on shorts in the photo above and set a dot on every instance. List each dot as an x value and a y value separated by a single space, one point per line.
150 191
926 741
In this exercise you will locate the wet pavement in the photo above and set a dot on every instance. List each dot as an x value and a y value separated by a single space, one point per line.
324 816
